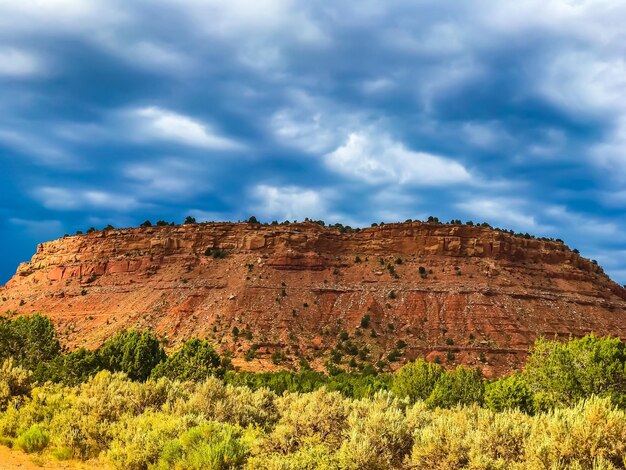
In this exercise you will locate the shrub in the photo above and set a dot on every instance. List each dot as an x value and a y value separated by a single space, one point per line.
378 436
461 386
236 405
139 439
561 374
509 393
35 439
14 383
218 253
30 340
209 446
590 433
72 368
365 321
195 360
416 380
132 352
319 416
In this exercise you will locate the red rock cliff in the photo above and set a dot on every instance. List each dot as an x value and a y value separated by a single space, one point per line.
467 294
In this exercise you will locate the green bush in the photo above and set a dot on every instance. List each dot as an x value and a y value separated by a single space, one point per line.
139 440
195 360
461 386
416 380
509 393
29 340
15 383
212 446
35 439
132 352
561 374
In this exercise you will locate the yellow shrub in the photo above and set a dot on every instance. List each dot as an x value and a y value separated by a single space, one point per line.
308 419
592 432
138 440
378 435
237 405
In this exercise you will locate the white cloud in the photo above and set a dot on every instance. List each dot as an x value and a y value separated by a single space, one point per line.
308 133
503 212
582 223
77 199
68 16
377 85
289 202
167 177
19 63
586 83
156 123
486 135
148 54
239 18
35 147
312 124
377 159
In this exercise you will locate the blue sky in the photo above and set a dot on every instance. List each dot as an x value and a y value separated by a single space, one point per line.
117 111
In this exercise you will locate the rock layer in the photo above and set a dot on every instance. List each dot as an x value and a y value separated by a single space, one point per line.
464 294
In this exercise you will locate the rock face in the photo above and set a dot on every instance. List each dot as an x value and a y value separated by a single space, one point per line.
464 294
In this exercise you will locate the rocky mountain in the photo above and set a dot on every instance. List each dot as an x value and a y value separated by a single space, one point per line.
272 294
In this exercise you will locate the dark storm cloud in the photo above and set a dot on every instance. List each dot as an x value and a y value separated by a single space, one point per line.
510 112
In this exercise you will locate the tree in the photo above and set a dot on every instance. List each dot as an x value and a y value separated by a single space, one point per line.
189 220
29 340
560 374
253 220
73 368
132 352
145 224
416 380
461 386
195 360
510 392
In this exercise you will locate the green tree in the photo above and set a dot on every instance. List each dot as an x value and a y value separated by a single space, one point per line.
30 340
195 360
510 392
416 380
560 374
461 386
132 352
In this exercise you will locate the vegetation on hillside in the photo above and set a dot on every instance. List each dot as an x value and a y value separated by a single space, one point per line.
136 407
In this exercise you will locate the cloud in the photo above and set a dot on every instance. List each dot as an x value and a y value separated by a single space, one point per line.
242 19
582 224
503 212
63 199
156 123
36 147
19 63
377 159
167 177
289 202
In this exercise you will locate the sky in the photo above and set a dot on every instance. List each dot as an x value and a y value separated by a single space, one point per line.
118 111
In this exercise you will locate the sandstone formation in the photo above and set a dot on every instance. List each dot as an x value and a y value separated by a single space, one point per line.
465 294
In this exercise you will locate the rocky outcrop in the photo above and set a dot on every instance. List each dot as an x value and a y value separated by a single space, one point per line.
464 294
